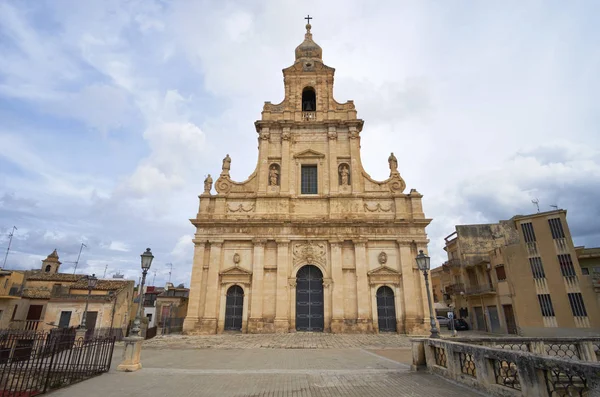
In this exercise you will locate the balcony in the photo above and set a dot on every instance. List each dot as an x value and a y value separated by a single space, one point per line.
309 116
454 289
480 290
453 262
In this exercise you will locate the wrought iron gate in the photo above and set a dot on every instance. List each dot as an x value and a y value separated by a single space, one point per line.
386 310
234 308
309 299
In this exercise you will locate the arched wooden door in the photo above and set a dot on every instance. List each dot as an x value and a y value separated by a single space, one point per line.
234 307
386 310
309 299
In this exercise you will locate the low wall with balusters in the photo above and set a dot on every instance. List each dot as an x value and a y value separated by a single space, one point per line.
515 366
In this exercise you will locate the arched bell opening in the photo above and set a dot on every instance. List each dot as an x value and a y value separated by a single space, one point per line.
309 100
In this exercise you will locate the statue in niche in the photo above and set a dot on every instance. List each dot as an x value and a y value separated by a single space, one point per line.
393 163
344 175
208 184
226 164
273 176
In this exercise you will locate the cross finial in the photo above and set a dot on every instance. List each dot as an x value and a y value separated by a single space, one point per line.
308 18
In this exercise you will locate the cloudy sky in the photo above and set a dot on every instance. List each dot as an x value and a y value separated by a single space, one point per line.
112 113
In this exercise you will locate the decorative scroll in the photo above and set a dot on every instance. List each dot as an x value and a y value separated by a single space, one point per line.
240 207
223 185
309 253
377 208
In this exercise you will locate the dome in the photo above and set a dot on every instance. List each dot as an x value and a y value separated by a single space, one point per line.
308 48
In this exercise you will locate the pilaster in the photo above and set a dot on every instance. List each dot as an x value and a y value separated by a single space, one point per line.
364 323
191 319
337 300
255 323
353 134
333 172
263 152
285 160
282 323
208 323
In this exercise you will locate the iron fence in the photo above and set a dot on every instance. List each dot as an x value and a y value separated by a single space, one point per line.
172 325
34 363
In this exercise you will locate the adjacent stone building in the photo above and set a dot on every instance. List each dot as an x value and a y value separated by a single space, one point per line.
520 276
309 242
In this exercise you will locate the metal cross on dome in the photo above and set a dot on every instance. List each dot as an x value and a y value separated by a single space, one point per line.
308 18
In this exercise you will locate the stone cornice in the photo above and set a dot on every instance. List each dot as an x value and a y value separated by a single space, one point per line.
278 124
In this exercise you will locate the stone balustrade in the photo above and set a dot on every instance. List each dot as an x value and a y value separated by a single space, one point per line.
514 366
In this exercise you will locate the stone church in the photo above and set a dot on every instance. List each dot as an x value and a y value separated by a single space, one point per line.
309 242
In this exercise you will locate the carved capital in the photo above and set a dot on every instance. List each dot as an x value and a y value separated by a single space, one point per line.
259 242
335 243
327 282
285 134
292 282
353 133
360 241
281 241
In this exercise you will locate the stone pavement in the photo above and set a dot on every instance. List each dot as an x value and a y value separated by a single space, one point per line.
378 368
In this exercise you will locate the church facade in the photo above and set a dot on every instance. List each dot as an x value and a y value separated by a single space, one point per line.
309 242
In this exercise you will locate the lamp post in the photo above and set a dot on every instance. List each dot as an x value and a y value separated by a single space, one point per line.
146 262
92 281
423 263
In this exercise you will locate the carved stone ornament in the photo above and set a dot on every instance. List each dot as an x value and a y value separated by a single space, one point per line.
397 184
353 134
236 259
265 135
223 185
332 135
382 258
241 207
285 135
309 253
377 207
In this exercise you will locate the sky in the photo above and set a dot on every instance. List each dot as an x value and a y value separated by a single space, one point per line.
113 112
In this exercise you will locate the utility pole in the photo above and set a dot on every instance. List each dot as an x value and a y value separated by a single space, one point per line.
78 256
10 236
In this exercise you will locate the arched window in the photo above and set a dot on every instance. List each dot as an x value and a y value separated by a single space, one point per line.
48 268
309 100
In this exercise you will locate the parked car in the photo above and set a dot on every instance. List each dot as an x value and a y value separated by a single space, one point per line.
443 320
459 325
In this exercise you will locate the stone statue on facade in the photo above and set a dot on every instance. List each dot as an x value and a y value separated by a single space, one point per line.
393 163
344 174
273 176
226 164
208 184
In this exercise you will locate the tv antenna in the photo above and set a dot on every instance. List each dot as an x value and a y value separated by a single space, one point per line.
170 269
79 256
537 204
154 277
10 236
105 267
554 206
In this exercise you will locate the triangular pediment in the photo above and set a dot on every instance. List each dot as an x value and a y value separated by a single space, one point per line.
383 270
235 271
308 153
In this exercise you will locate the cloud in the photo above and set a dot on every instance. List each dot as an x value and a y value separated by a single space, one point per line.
113 112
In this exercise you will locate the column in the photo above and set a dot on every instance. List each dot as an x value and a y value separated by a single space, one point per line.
362 286
333 171
208 324
337 300
285 161
255 323
195 288
414 316
355 160
263 151
282 323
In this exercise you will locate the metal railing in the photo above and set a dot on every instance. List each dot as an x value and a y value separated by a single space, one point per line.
309 116
480 289
33 363
508 372
455 288
453 262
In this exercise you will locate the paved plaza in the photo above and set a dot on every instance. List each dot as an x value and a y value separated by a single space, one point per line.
300 364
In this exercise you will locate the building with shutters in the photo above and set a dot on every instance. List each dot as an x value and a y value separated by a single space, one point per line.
309 242
520 276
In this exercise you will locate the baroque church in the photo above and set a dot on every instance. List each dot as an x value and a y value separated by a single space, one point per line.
309 242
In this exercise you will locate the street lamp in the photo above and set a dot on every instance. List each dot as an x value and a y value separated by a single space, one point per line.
92 281
423 263
146 262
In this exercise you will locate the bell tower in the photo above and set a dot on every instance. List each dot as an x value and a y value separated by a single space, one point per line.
51 263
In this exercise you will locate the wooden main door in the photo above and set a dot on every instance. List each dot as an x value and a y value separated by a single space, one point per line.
309 299
386 310
234 308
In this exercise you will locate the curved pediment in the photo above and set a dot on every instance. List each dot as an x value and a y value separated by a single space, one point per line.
308 154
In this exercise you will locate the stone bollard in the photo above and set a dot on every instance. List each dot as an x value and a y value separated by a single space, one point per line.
418 355
132 354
